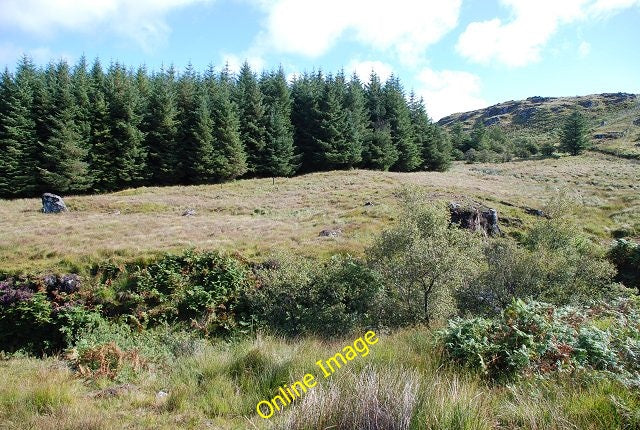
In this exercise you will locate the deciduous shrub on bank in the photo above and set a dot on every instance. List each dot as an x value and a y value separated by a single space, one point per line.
538 338
304 297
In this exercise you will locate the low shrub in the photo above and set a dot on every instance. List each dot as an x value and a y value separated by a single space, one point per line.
625 255
538 338
198 288
38 320
302 297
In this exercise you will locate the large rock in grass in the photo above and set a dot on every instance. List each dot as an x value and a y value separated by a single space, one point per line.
52 204
472 218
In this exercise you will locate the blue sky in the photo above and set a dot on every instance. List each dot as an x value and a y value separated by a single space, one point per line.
458 54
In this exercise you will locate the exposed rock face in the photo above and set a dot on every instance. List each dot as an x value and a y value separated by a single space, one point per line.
491 121
330 233
52 204
609 135
475 219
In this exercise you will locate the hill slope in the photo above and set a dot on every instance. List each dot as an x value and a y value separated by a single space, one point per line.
254 217
614 119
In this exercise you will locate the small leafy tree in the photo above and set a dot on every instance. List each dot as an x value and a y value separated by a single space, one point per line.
422 261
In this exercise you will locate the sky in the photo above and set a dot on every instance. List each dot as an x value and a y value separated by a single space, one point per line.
457 54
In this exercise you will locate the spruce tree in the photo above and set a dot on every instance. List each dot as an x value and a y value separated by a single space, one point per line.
574 134
100 131
478 136
18 138
278 158
252 118
161 129
62 165
379 152
121 157
81 85
332 147
357 118
281 159
195 147
306 93
398 115
434 145
229 157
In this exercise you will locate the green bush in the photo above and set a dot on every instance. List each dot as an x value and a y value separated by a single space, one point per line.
625 255
422 262
302 297
199 288
554 263
539 338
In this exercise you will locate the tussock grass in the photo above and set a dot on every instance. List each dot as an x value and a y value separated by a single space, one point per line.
402 384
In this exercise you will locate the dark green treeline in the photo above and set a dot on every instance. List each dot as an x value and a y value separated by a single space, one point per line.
86 128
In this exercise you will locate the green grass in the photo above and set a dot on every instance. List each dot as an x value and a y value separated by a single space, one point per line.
402 384
257 218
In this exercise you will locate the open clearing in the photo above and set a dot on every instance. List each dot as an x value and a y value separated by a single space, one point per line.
256 217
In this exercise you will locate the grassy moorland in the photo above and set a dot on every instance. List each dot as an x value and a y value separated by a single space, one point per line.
255 217
196 340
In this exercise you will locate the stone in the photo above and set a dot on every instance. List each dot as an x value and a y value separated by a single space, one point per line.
535 212
330 233
368 204
189 212
52 204
63 284
472 218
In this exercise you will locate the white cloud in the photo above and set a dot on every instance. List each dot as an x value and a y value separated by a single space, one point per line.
520 41
363 69
10 54
449 91
584 49
311 28
141 20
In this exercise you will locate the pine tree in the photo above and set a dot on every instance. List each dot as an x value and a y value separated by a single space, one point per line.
280 158
100 131
6 90
306 93
119 161
161 129
81 84
434 145
207 165
229 157
62 165
574 134
252 118
459 138
379 152
478 136
357 118
195 137
398 115
333 147
18 138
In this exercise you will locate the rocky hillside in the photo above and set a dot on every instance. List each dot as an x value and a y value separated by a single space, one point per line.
614 119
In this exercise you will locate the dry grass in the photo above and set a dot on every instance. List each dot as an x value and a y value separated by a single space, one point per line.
400 385
256 217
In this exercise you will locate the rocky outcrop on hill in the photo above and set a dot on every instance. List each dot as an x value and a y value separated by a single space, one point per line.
474 218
